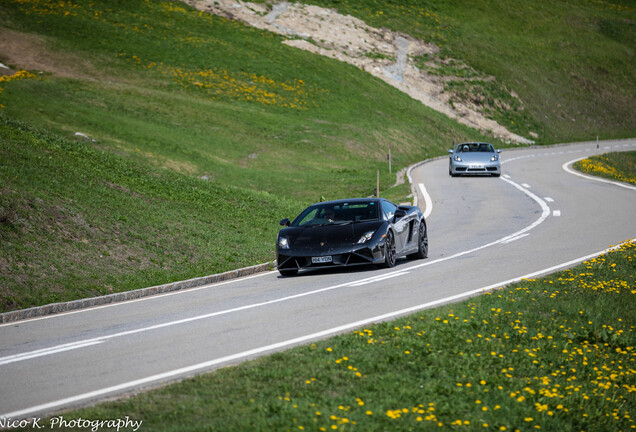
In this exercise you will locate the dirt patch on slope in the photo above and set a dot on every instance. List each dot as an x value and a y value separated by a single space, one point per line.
32 52
388 55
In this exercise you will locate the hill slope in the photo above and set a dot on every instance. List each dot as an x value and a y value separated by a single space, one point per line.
203 132
570 63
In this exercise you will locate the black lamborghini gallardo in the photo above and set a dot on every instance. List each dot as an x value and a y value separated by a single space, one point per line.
351 232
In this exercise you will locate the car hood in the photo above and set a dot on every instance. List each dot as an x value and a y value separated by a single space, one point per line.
476 157
328 237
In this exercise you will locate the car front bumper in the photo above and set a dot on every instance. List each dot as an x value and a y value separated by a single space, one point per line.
290 259
464 168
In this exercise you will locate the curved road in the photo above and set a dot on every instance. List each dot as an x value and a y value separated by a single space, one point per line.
483 232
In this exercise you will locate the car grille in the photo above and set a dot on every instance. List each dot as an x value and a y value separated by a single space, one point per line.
464 169
363 256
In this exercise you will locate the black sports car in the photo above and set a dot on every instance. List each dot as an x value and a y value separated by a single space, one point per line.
351 232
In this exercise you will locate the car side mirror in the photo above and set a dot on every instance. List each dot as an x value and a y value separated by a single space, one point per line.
451 151
499 151
399 214
285 222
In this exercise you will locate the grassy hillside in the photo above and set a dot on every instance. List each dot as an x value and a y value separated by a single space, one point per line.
205 132
77 222
206 96
198 144
570 62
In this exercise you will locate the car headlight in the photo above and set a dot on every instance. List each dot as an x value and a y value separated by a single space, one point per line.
283 243
457 158
366 237
494 158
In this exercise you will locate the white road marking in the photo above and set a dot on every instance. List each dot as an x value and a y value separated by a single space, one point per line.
427 201
283 344
556 213
378 278
174 373
150 297
567 168
88 342
525 185
97 340
514 238
47 351
548 199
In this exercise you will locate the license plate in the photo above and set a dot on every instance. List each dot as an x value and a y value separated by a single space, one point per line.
476 166
322 259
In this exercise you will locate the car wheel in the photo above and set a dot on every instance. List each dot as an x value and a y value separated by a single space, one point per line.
422 244
389 251
288 272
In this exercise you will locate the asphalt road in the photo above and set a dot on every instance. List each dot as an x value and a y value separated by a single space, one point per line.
484 232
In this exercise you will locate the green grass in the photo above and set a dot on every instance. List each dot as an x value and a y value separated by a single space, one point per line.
194 92
571 63
77 222
553 354
619 166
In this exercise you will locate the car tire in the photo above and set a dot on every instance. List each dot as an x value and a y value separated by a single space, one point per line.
286 273
389 251
422 243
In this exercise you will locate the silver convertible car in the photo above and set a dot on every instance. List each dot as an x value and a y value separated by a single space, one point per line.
474 158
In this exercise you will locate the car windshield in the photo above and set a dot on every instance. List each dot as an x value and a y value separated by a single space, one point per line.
337 213
475 147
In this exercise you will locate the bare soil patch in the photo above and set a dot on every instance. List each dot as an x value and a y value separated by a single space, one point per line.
32 52
383 53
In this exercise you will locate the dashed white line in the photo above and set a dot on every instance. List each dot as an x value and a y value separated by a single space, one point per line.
556 213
